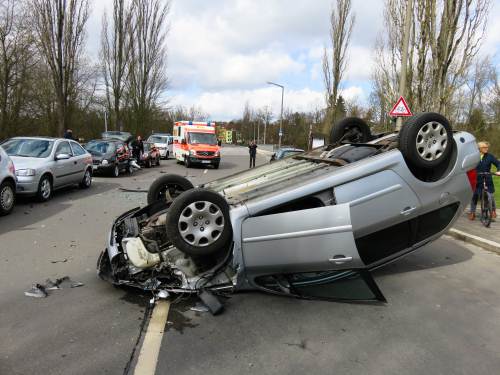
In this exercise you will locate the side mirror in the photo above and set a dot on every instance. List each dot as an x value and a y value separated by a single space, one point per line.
62 156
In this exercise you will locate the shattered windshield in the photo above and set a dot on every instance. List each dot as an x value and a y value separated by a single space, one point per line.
32 148
100 147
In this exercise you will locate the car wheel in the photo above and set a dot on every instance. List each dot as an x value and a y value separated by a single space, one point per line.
198 222
187 163
168 187
158 161
148 163
426 140
216 166
130 169
350 129
167 155
87 180
44 189
7 198
115 171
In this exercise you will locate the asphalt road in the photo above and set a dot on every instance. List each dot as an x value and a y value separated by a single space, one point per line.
441 316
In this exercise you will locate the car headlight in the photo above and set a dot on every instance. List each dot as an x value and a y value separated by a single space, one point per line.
25 172
217 153
104 162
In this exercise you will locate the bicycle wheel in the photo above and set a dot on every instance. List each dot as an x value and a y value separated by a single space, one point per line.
486 209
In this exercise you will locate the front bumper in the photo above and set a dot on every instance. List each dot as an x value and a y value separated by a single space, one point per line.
27 184
163 152
202 160
99 168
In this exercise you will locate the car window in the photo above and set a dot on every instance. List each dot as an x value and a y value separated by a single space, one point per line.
350 285
101 147
77 149
33 148
63 148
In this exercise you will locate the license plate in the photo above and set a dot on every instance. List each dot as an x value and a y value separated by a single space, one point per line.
94 167
205 161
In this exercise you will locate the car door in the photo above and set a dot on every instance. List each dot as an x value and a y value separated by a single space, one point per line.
80 161
383 211
64 168
292 251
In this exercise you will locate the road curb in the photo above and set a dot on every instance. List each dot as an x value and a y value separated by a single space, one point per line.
475 240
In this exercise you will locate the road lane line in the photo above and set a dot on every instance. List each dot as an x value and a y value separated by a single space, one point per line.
148 356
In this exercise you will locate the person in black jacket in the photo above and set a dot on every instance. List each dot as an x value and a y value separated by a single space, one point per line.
252 150
484 166
137 148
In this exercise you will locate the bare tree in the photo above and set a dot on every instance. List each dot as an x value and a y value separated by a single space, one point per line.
334 60
115 48
147 78
444 40
60 30
16 58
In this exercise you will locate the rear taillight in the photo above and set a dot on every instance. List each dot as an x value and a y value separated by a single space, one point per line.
472 175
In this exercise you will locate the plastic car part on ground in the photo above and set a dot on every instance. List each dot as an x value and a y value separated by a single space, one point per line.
41 290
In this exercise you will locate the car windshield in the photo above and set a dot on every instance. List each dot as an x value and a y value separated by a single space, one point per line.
147 146
32 148
205 138
100 147
124 136
158 139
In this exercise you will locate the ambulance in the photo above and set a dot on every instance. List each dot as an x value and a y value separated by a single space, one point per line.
196 143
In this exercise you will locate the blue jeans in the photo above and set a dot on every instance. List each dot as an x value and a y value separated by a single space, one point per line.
475 198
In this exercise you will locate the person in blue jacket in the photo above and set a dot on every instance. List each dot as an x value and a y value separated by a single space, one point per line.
484 166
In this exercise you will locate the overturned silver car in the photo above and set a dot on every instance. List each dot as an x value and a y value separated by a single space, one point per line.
311 225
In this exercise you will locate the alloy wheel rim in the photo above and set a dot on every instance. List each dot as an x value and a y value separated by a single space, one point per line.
7 198
45 188
432 140
201 223
116 171
88 179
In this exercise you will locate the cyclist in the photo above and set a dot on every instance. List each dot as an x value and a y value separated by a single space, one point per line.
484 166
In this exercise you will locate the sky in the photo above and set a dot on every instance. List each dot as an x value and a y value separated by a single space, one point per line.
221 53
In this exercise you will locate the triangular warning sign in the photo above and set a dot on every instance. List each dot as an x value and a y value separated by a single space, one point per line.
400 109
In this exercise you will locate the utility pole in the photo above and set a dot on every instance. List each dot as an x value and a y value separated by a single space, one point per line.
404 56
281 116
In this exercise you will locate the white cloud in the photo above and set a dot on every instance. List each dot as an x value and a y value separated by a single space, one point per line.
229 104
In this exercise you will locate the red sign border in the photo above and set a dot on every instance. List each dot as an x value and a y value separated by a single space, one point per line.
408 112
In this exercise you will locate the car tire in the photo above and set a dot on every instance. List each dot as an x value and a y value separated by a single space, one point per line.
167 155
187 163
426 140
7 197
198 222
44 192
216 166
167 188
87 179
115 172
350 129
148 163
158 161
130 169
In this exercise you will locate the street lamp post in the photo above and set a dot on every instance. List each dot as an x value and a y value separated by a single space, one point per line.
281 116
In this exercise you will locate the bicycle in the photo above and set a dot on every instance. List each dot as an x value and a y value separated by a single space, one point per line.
486 201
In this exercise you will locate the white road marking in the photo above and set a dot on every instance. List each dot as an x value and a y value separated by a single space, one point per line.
148 357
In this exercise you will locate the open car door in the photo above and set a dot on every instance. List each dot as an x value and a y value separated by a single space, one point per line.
308 253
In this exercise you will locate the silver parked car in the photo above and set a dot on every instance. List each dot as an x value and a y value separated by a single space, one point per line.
45 164
311 226
7 184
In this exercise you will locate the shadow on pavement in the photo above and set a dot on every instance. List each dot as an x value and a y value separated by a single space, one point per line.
426 258
28 211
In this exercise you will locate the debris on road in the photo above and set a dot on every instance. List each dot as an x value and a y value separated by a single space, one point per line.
133 190
41 290
36 291
59 261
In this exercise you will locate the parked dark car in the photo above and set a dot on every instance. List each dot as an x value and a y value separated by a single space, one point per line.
110 156
284 152
122 136
151 155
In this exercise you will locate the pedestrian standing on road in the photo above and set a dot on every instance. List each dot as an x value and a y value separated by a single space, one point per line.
484 166
68 134
137 148
252 150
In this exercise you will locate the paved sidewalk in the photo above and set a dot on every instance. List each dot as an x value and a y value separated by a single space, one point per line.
474 232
